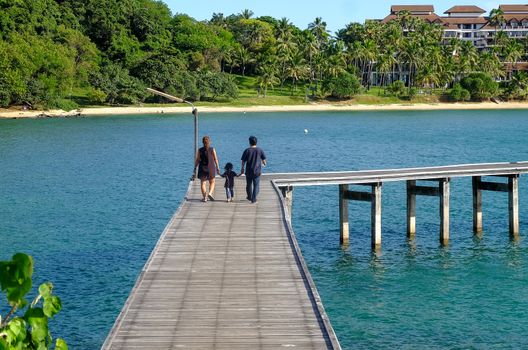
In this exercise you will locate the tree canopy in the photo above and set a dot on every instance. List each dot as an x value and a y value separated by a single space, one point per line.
113 49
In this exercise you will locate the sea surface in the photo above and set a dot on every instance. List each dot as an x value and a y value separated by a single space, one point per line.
88 199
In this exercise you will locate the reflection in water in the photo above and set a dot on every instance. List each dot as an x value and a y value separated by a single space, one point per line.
376 264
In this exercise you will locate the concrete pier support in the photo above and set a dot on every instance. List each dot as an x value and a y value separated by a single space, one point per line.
513 204
374 198
442 192
375 216
444 210
411 209
512 188
477 205
343 215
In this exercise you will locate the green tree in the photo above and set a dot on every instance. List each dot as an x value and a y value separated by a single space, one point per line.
343 86
458 93
267 77
481 86
29 330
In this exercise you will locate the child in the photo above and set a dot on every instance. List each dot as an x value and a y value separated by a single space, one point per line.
229 185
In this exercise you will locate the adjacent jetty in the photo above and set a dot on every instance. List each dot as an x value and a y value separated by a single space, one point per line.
232 276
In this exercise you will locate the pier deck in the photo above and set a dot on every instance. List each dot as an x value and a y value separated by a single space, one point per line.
231 275
224 276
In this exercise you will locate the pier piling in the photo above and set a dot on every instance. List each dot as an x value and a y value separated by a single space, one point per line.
513 204
343 215
477 205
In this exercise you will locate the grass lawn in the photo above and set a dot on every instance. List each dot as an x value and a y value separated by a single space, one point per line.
279 96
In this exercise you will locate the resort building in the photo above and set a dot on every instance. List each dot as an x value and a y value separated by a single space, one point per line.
468 22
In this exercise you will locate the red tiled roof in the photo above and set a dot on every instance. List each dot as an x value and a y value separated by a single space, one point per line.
465 9
514 8
432 18
412 8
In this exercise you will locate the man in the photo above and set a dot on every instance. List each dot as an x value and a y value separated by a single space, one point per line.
252 158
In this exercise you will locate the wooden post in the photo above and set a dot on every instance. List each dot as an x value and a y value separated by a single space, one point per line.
444 210
343 214
411 209
477 205
376 216
287 193
513 204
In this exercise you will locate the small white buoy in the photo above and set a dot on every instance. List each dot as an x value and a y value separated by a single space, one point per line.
306 131
244 112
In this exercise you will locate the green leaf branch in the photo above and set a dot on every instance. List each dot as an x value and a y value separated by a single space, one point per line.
29 331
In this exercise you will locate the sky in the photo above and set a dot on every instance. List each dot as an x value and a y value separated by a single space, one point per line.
336 13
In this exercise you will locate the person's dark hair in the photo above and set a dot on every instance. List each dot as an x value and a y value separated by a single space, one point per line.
228 167
252 140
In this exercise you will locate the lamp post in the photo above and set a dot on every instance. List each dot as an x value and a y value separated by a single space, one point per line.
194 113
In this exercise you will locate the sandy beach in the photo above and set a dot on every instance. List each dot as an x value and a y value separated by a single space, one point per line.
102 111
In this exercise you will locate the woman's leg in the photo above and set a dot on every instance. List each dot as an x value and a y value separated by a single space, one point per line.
211 186
202 187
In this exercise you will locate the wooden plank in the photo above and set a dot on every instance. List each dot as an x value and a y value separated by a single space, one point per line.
224 276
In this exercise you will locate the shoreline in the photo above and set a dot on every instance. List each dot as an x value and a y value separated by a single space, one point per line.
105 111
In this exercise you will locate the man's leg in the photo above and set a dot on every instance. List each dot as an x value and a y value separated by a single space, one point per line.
256 188
249 188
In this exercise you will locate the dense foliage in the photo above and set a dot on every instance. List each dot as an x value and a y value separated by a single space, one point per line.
345 85
30 329
480 86
111 50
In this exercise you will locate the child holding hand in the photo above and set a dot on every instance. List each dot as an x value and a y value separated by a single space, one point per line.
229 185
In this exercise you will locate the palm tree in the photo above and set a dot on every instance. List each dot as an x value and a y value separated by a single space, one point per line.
468 57
246 14
518 86
490 63
218 19
386 62
311 50
369 55
404 18
496 18
267 77
297 69
284 28
243 58
318 29
411 56
513 52
428 77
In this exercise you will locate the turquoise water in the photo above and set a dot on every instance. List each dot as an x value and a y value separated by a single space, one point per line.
88 199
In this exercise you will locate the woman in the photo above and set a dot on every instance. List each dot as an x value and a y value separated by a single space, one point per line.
207 163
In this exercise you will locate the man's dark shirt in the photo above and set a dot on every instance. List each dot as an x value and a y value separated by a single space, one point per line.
253 157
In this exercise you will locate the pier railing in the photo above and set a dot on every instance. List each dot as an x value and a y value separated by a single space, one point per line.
438 178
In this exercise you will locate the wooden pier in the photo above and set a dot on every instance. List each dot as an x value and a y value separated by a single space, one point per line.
440 177
232 276
225 276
